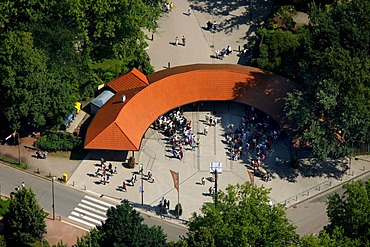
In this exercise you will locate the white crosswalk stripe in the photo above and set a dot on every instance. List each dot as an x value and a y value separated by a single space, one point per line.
90 212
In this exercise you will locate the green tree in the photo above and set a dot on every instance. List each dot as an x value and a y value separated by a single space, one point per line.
278 51
31 96
124 227
351 212
242 217
22 68
24 223
331 111
336 239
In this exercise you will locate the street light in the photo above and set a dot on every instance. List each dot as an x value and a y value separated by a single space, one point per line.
52 193
250 11
141 171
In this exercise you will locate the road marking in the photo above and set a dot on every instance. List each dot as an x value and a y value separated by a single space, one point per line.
90 214
97 222
99 201
94 205
92 209
81 221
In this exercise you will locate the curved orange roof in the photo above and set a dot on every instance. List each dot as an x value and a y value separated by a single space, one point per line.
181 85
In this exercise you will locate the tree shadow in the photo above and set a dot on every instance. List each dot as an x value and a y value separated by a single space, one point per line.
234 13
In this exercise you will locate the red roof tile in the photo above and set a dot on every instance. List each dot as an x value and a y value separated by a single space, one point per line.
130 80
178 86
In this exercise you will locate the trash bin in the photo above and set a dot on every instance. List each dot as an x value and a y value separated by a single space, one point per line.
65 177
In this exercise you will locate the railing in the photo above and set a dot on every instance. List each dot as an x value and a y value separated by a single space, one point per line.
317 187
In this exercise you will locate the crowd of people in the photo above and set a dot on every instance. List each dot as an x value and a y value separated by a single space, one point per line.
178 129
104 171
255 133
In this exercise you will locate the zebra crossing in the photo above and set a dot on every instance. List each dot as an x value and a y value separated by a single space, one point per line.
90 212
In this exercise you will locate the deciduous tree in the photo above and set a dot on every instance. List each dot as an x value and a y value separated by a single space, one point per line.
242 217
350 213
124 227
24 223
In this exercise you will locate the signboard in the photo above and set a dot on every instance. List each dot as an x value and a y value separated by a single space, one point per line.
213 166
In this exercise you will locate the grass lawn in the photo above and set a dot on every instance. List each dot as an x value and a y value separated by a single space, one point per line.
4 204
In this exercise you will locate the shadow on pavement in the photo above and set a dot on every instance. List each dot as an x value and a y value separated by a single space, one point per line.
232 21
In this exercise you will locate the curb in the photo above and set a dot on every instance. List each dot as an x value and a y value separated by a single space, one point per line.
329 190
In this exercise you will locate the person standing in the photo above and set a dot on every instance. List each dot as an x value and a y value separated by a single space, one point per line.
168 204
183 40
205 130
176 40
203 181
124 186
189 11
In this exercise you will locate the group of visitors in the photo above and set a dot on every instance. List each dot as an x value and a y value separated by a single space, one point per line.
104 171
211 26
41 155
177 41
164 205
220 54
167 7
254 134
179 131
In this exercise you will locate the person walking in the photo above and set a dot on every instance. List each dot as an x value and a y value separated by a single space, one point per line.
203 180
183 40
177 41
189 11
205 131
207 117
168 204
124 187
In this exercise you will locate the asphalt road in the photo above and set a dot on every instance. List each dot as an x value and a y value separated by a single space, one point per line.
310 216
66 199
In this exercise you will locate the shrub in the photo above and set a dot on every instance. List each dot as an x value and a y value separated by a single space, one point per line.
178 210
59 142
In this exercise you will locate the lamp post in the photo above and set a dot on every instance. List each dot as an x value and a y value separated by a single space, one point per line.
216 177
142 186
250 11
52 194
19 149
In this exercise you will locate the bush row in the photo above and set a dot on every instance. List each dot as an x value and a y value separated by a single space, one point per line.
52 142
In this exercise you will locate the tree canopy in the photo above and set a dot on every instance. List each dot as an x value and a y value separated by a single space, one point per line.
350 213
331 110
24 223
242 217
124 227
54 53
